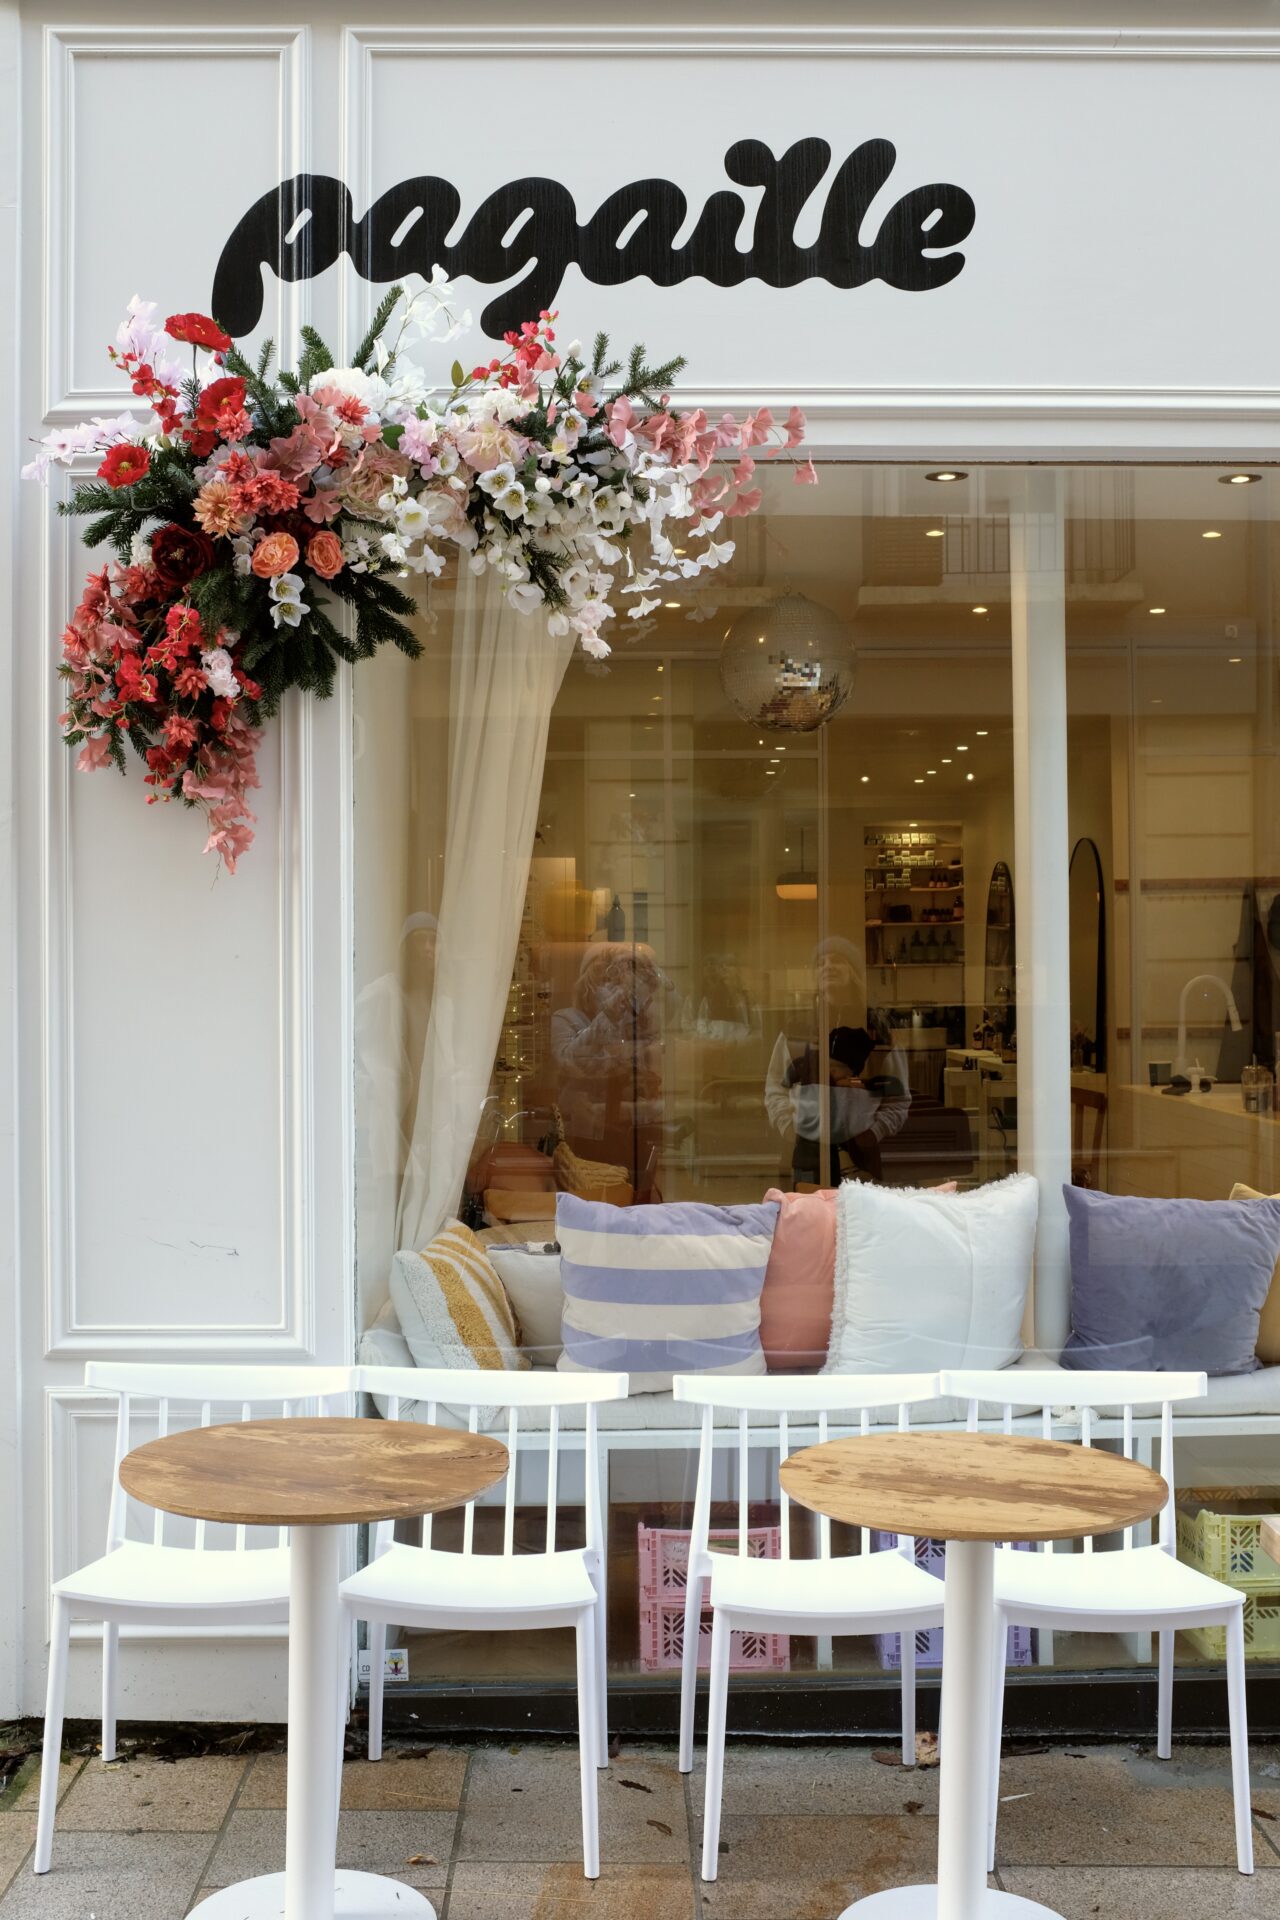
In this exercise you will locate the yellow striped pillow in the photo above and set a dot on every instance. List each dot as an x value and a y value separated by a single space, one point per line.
453 1308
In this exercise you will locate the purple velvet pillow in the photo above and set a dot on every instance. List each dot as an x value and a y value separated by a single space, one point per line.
1168 1285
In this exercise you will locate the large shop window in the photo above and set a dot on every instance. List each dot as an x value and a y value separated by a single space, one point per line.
765 940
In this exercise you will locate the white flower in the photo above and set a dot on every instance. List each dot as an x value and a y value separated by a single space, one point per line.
496 478
524 596
242 546
643 607
557 625
510 500
287 603
598 649
140 550
413 519
219 675
369 388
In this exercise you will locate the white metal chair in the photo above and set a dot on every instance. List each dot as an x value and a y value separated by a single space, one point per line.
150 1582
871 1592
469 1591
1124 1588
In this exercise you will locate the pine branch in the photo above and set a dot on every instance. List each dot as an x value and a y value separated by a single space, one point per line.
386 307
316 357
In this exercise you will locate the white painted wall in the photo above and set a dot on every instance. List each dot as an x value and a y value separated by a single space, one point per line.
177 1074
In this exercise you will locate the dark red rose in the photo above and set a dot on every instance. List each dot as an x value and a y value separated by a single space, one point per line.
124 465
178 554
197 330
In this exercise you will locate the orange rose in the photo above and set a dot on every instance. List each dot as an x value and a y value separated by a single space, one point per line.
324 554
276 554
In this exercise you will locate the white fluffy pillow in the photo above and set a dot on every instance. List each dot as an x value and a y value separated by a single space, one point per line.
531 1278
926 1280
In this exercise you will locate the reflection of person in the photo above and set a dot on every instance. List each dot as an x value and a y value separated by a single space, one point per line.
868 1097
607 1047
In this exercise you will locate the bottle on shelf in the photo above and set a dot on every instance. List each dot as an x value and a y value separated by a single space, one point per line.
616 923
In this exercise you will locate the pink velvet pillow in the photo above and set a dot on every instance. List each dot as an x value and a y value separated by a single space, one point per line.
799 1281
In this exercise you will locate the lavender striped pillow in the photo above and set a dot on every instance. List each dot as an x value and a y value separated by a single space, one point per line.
652 1291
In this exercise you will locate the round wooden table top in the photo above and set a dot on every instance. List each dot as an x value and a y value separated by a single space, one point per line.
313 1473
973 1486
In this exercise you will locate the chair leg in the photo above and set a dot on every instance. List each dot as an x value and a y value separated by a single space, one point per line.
1164 1712
601 1625
110 1659
55 1703
717 1713
907 1664
588 1732
377 1670
999 1657
689 1672
1239 1740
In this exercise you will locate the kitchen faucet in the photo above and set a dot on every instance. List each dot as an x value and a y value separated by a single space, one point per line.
1233 1014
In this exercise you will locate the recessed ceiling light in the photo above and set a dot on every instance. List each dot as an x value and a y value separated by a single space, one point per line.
980 609
631 796
759 743
947 473
659 669
1211 533
786 849
946 759
771 771
934 533
865 778
962 749
671 603
913 823
1234 659
1155 609
1238 479
981 732
968 776
920 780
679 552
931 770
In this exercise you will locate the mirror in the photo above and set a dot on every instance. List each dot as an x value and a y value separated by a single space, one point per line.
1088 959
1001 955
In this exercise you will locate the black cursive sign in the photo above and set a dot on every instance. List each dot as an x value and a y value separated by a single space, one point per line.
530 228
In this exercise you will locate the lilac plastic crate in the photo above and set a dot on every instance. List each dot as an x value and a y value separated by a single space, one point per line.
931 1555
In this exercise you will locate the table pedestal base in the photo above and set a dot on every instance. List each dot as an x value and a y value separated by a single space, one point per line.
357 1896
921 1903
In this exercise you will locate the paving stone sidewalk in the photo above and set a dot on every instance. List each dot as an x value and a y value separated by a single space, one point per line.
492 1833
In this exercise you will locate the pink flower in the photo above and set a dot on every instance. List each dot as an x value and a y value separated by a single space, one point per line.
620 415
795 427
744 472
94 753
744 504
488 443
806 476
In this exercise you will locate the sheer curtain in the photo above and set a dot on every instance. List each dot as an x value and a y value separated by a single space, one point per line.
505 675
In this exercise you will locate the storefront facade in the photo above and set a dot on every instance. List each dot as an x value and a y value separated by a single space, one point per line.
1015 277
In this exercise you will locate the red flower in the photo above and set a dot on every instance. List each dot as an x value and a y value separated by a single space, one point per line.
178 554
197 330
124 465
227 392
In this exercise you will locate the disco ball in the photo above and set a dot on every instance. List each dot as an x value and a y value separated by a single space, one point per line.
787 666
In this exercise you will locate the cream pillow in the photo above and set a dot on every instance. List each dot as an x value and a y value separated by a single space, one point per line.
452 1307
926 1280
1268 1347
530 1273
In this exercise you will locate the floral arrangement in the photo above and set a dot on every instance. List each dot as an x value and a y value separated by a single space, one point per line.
255 506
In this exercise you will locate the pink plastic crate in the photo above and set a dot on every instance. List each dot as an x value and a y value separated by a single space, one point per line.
931 1555
662 1642
664 1577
